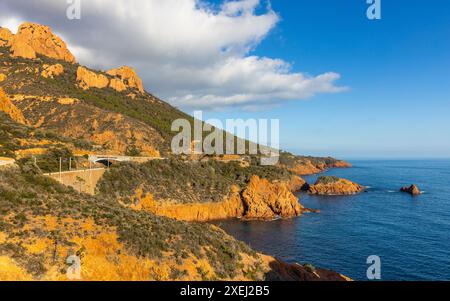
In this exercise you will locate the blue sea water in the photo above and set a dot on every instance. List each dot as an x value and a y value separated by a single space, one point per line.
411 235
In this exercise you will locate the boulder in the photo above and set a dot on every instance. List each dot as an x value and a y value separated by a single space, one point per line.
50 71
413 190
89 79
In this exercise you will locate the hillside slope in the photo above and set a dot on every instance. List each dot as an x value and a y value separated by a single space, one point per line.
53 94
43 223
52 107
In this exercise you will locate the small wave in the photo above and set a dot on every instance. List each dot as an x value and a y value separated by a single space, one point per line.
392 191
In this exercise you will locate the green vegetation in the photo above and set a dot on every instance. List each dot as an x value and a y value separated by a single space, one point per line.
145 108
184 182
290 160
325 180
27 194
50 162
11 132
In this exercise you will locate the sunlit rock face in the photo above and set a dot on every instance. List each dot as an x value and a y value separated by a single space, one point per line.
33 39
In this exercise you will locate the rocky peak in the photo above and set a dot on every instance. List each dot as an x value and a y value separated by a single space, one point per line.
32 39
128 76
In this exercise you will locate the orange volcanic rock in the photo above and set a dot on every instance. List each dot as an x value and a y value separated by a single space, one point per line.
22 49
265 200
306 169
88 79
32 39
326 185
413 190
118 85
123 78
10 109
5 36
195 212
341 164
50 71
296 184
128 77
260 200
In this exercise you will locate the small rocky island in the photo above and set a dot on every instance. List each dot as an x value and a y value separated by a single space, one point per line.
329 185
412 190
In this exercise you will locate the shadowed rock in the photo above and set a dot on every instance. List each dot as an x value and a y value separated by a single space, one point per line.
413 190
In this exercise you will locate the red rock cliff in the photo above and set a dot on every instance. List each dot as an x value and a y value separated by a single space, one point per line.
261 200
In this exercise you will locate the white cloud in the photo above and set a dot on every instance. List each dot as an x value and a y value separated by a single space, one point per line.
187 51
11 23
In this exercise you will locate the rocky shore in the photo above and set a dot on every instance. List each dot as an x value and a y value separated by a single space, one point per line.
327 185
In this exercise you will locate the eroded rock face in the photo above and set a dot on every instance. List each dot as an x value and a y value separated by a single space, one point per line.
89 79
260 200
124 78
265 200
5 36
10 109
413 190
118 85
128 77
50 71
296 184
334 186
32 39
195 212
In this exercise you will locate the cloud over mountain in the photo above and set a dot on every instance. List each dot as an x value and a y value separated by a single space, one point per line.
189 52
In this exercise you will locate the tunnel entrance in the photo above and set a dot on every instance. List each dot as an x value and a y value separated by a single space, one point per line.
106 162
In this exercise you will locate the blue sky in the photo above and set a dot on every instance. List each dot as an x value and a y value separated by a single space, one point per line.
397 69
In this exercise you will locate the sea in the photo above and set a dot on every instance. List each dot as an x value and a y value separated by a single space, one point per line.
410 235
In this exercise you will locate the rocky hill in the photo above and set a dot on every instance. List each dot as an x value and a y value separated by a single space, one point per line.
50 90
51 108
